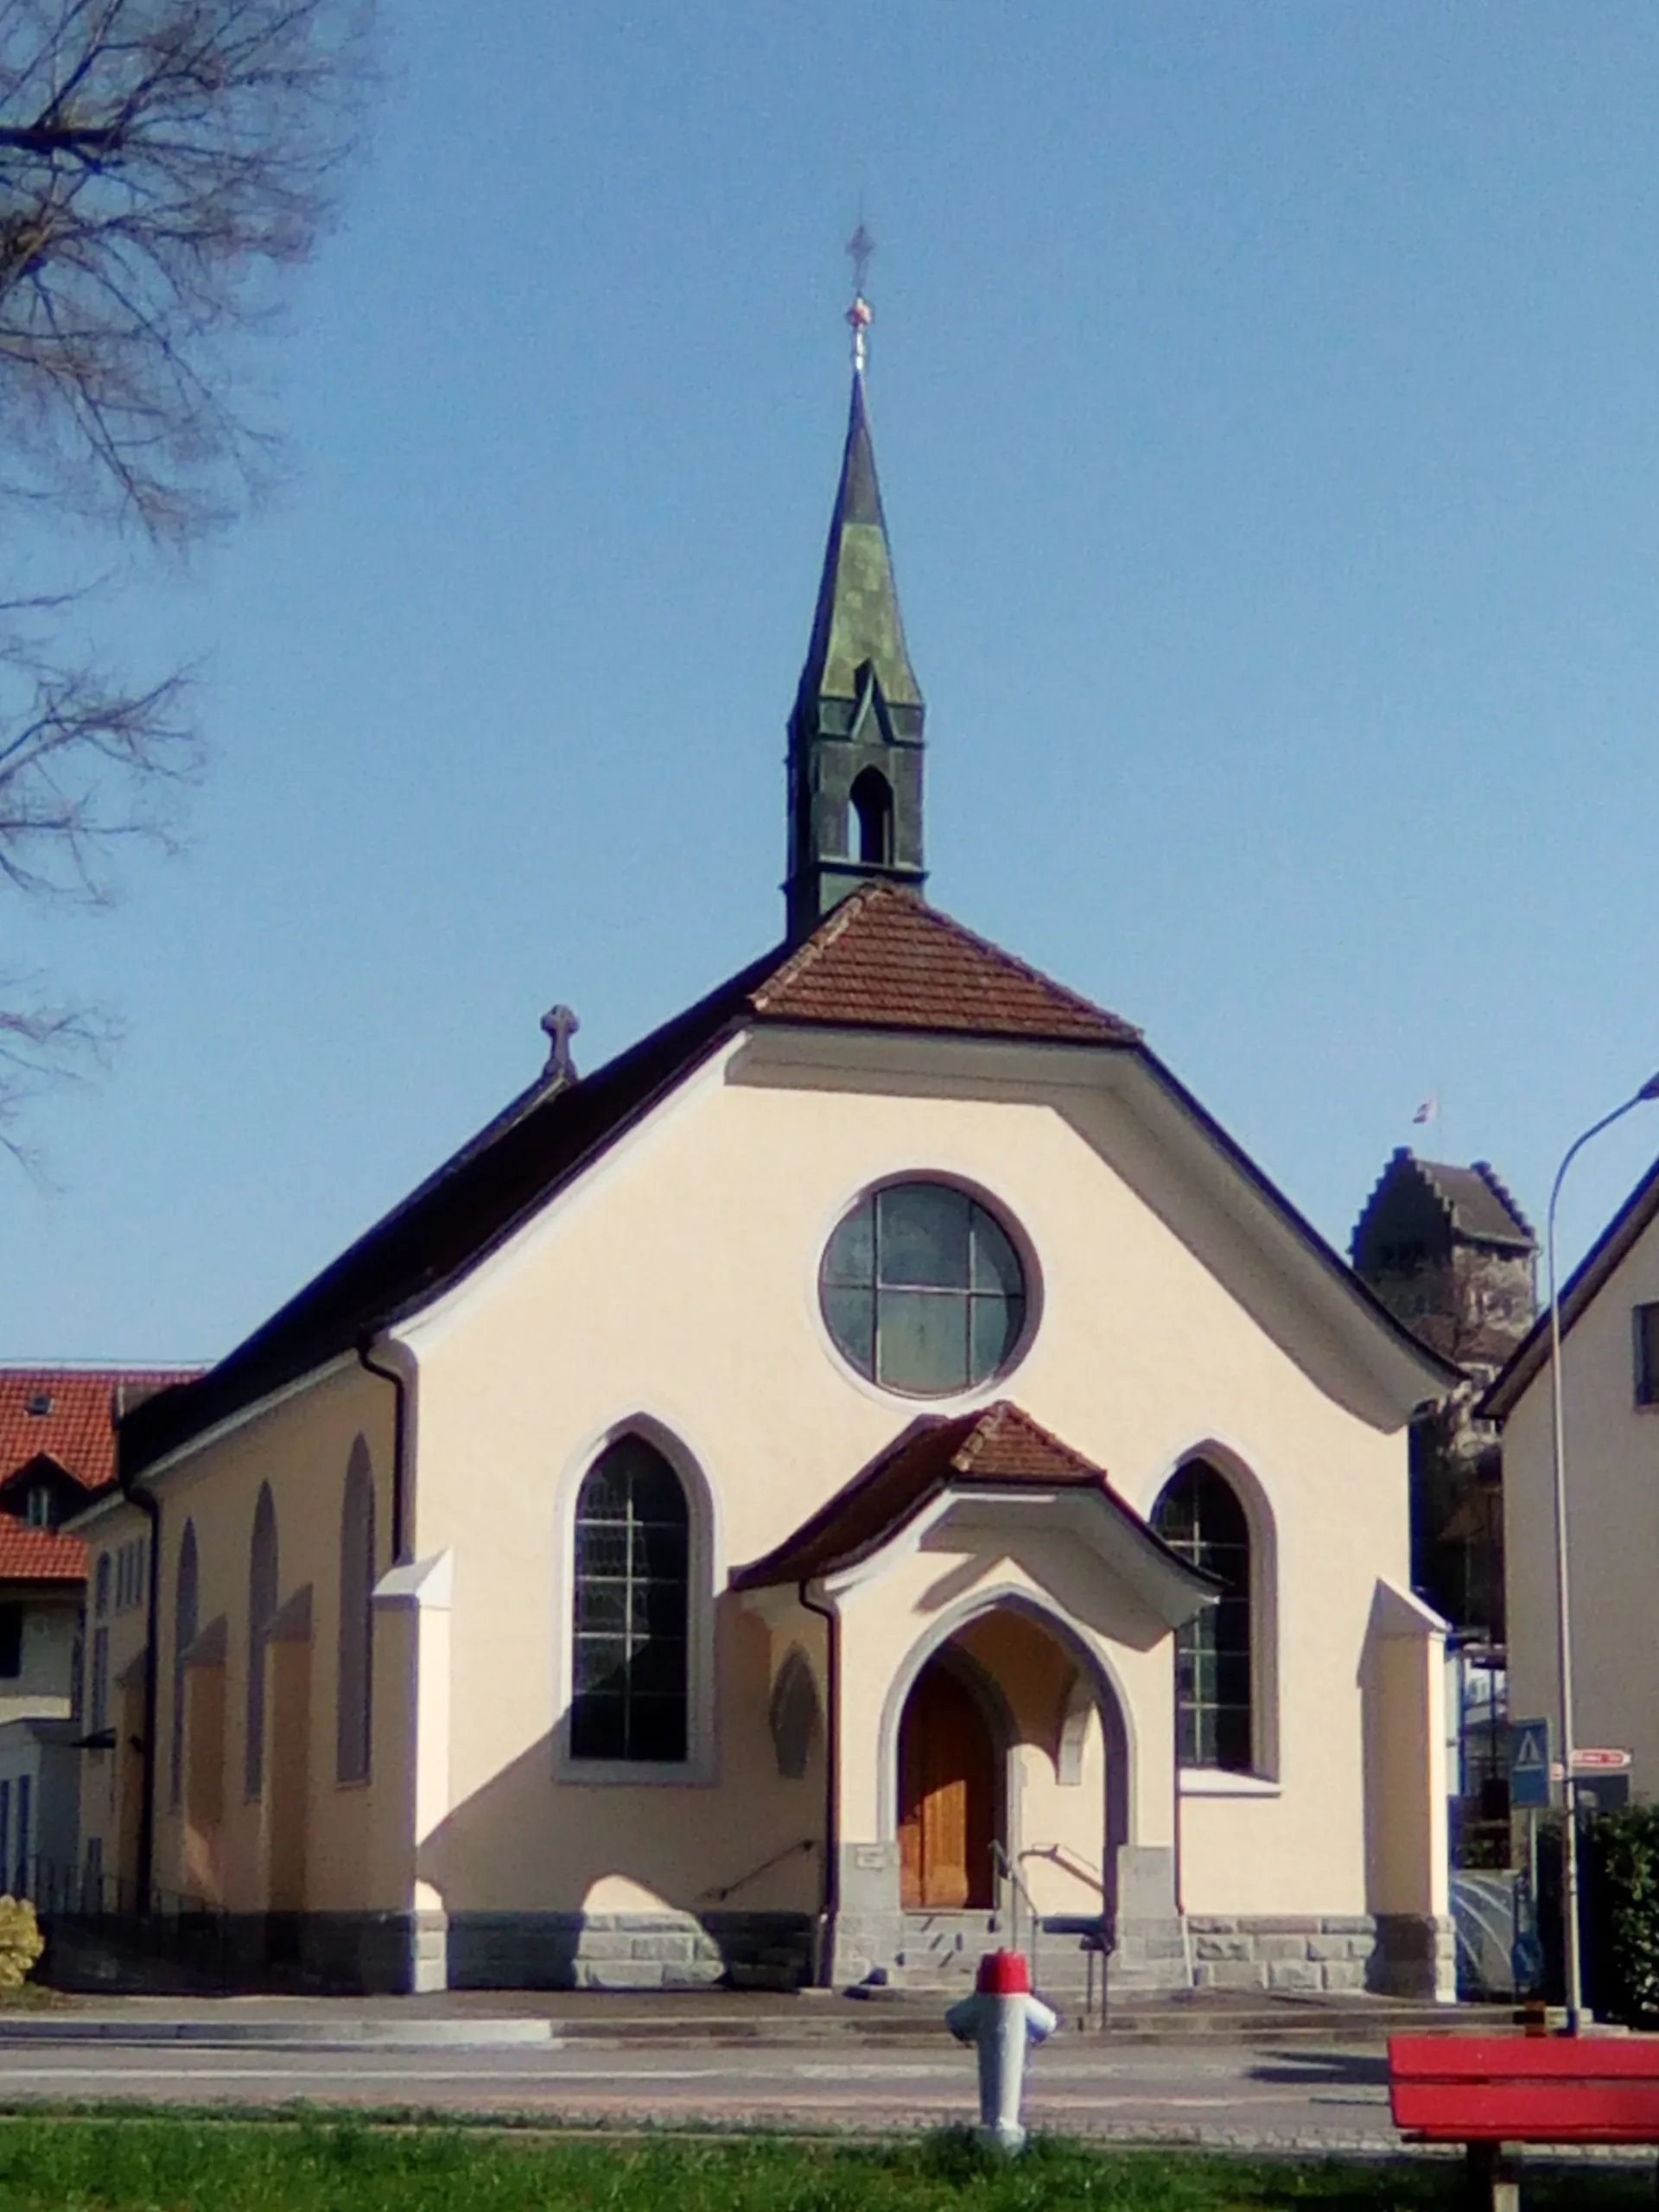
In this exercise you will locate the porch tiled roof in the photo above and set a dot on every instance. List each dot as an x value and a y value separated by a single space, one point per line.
1001 1448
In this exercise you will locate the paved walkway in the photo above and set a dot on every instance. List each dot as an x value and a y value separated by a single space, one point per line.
714 2015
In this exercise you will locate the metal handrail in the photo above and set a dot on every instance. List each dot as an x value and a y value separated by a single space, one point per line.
1079 1870
1016 1882
789 1850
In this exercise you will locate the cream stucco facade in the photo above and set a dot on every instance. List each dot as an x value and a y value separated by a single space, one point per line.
671 1291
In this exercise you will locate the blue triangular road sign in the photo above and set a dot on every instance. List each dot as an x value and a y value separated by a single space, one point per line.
1529 1763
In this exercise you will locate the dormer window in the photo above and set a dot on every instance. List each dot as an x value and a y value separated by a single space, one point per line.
37 1506
40 1404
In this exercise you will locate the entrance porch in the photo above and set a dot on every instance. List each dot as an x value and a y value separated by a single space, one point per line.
1000 1692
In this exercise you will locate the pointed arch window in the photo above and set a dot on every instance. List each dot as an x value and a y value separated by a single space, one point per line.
872 797
630 1673
354 1678
262 1586
187 1606
1200 1516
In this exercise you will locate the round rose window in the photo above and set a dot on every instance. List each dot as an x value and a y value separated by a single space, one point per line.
922 1289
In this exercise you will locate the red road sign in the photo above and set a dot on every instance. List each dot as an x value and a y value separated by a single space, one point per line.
1593 1761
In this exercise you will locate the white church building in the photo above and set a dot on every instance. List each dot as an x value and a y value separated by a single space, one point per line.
874 1458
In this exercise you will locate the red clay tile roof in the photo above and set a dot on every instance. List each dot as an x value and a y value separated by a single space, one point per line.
999 1448
77 1430
39 1555
886 960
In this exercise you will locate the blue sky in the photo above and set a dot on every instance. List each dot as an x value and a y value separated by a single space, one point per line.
1266 401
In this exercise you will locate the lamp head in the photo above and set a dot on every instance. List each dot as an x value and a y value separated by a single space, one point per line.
1650 1089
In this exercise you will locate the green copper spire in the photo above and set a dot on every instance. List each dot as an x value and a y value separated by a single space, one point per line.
856 735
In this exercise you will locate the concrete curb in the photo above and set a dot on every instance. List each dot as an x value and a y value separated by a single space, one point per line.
366 2034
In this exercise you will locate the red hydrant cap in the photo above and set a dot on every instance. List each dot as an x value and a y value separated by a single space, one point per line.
1002 1974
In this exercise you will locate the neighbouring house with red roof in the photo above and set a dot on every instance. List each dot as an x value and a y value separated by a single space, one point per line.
57 1452
873 1470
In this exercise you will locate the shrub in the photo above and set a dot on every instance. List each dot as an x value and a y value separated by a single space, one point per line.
1623 1894
21 1941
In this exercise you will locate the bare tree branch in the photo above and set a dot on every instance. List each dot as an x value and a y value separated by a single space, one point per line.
43 1044
163 162
87 767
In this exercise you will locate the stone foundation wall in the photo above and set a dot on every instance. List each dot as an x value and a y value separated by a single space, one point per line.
403 1954
1395 1955
1148 1954
381 1953
629 1950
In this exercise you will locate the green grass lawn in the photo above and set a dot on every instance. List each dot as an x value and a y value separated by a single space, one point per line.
163 2165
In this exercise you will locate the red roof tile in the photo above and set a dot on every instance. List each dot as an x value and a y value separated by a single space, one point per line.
999 1448
39 1555
77 1429
885 959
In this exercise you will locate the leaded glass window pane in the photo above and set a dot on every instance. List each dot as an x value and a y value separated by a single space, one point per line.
923 1290
996 1323
922 1342
1200 1517
632 1592
996 1264
850 1257
922 1235
850 1314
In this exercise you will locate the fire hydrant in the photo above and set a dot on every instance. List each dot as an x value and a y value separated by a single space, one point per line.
1001 2017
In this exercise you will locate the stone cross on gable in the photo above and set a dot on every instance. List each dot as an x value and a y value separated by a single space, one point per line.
561 1025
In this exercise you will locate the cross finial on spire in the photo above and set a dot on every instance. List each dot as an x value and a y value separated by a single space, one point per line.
561 1025
860 247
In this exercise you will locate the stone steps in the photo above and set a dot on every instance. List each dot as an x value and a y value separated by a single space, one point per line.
942 1950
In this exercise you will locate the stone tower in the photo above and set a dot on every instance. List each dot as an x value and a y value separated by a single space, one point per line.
1450 1254
855 734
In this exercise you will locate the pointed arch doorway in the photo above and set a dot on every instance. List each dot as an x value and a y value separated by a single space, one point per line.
948 1796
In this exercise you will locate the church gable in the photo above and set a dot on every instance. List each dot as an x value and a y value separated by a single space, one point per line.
883 963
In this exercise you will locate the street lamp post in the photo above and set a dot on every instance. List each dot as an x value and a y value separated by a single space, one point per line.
1648 1092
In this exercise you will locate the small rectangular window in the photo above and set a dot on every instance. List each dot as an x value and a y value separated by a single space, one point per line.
1647 1355
11 1643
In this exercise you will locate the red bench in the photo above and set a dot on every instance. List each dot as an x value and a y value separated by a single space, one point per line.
1486 2091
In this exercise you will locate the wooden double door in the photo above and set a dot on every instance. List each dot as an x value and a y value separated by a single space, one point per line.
948 1797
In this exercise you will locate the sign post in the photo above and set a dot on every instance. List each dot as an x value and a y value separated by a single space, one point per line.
1530 1778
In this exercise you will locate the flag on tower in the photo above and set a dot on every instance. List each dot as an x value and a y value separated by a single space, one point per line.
1430 1109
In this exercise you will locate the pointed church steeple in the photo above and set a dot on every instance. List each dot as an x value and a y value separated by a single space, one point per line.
856 735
